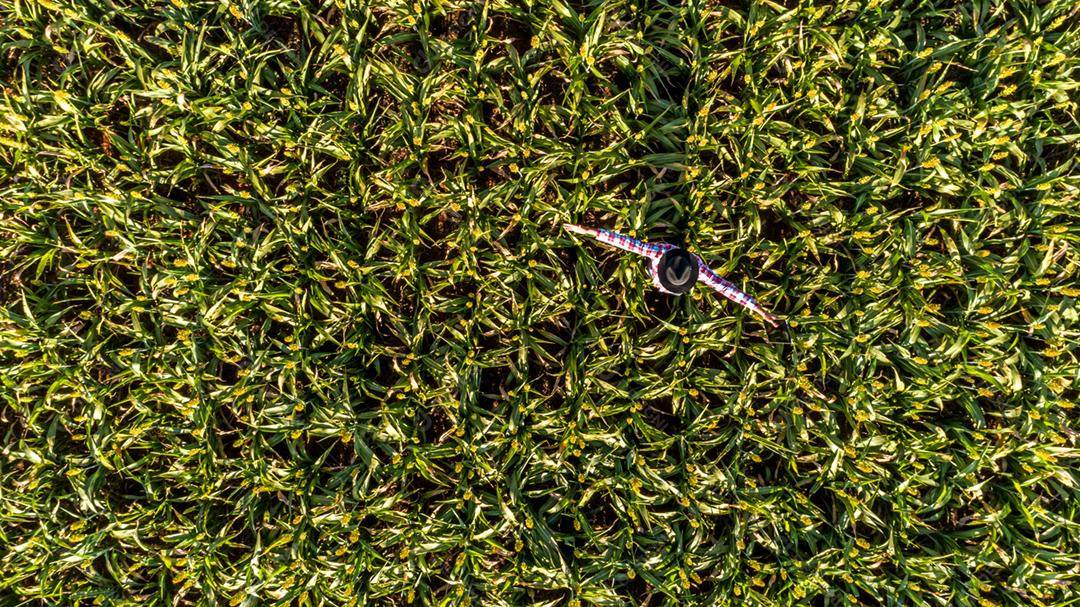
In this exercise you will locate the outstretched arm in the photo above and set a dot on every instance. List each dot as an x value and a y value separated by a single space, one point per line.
733 293
621 241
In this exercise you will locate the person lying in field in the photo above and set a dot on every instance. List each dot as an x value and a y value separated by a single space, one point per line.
673 270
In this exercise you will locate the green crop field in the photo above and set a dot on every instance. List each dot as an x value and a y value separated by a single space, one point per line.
288 317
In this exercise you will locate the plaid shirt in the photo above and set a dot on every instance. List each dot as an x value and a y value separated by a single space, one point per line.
655 251
624 242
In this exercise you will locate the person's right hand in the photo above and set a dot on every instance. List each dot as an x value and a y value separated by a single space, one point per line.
569 227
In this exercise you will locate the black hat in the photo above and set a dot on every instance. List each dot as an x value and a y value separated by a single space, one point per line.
678 271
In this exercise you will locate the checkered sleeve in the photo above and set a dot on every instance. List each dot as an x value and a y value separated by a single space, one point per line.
725 288
624 242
